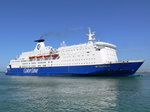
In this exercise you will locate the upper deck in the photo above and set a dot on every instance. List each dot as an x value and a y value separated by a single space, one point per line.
89 53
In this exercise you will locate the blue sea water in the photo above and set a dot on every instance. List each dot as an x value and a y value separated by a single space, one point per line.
75 94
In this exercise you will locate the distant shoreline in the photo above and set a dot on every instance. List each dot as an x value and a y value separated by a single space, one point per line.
143 72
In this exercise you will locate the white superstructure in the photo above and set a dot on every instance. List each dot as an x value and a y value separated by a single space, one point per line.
90 53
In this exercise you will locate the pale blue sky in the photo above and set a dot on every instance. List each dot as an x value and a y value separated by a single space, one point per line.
125 23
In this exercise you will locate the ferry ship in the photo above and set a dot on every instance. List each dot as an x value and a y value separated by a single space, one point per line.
94 58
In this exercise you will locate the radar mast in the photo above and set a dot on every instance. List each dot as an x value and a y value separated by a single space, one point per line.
90 36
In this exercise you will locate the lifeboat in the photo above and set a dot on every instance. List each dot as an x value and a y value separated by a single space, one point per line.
39 56
32 57
55 55
46 56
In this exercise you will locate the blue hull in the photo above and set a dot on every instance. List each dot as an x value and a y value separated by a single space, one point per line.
114 69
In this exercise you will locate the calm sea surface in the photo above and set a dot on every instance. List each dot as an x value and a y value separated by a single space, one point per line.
74 94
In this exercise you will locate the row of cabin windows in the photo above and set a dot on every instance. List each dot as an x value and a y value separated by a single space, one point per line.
53 58
61 61
50 58
73 56
33 63
34 66
76 63
44 59
76 49
60 64
19 61
41 62
41 65
78 59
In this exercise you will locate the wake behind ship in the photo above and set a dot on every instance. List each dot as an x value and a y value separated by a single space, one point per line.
89 59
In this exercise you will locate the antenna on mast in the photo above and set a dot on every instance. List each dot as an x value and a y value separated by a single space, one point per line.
90 35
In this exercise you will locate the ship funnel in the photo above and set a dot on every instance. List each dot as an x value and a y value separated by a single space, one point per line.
40 40
40 44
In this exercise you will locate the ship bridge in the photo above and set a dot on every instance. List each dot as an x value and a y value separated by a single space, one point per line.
104 44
